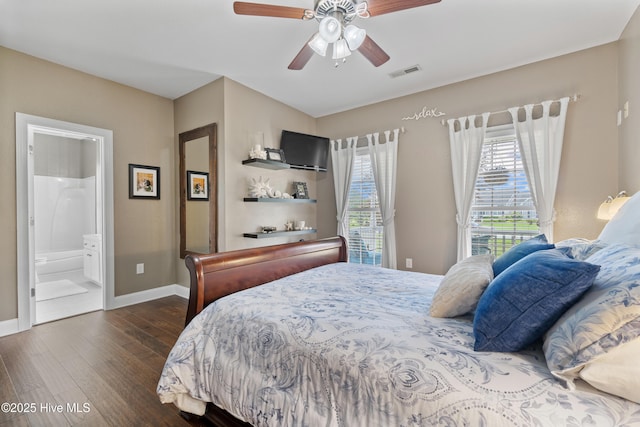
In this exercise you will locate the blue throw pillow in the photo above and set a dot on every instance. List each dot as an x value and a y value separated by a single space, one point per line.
521 304
520 251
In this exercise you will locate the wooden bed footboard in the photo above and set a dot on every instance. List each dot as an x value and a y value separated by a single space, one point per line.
214 276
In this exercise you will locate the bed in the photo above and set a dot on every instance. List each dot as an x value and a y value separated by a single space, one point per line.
293 335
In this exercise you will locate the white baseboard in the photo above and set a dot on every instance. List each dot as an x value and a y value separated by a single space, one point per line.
182 291
9 327
148 295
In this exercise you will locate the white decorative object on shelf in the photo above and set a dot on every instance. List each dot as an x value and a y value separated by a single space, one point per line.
275 194
260 188
257 152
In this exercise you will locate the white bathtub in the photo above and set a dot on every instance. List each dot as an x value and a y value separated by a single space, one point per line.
59 262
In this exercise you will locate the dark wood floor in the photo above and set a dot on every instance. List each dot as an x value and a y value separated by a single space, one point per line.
102 367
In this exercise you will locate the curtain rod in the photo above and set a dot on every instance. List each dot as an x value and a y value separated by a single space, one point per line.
573 98
402 130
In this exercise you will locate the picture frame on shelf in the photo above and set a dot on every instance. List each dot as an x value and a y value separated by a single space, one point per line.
197 185
144 182
275 154
300 190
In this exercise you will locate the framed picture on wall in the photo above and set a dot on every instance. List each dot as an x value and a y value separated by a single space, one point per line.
144 182
197 185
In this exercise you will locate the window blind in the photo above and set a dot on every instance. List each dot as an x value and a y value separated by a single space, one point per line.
365 221
503 213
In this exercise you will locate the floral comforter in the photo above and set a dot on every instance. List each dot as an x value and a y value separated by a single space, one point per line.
352 345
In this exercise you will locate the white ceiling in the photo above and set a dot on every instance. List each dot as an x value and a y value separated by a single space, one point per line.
171 47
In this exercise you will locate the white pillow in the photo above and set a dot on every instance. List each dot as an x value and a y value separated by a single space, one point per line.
462 286
617 372
624 227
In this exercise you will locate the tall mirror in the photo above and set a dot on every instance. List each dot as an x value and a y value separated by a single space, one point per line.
198 190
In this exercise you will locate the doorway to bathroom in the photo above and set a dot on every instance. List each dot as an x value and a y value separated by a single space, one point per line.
65 219
68 281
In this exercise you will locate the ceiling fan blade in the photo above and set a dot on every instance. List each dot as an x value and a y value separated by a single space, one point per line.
380 7
373 52
301 58
259 9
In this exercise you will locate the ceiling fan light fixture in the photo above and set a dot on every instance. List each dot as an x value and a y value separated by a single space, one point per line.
319 45
354 36
330 29
341 49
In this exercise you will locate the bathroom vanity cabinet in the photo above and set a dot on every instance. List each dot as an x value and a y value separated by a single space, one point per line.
93 257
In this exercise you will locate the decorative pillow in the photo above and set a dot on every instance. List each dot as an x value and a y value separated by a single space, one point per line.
461 287
527 298
617 372
520 251
607 316
624 227
581 249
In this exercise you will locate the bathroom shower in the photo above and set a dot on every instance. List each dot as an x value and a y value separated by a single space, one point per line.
64 189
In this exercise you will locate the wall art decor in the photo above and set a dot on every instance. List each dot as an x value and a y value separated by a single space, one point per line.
425 113
144 182
197 185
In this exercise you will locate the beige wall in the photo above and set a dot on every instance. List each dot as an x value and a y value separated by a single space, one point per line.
425 209
629 86
244 117
142 127
249 114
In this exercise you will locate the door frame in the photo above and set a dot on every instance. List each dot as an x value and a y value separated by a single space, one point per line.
26 126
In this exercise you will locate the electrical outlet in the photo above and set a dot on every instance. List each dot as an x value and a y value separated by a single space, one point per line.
626 110
139 268
409 263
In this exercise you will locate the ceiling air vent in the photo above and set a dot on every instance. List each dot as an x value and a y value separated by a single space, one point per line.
405 71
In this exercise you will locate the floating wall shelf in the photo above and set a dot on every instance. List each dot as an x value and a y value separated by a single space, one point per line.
275 200
266 164
260 235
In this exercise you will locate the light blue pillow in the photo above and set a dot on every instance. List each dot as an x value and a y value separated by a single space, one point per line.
520 251
521 304
581 249
606 317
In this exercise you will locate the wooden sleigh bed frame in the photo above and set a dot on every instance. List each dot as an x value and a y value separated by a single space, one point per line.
425 367
214 276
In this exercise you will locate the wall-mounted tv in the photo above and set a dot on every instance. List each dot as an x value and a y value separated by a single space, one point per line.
304 151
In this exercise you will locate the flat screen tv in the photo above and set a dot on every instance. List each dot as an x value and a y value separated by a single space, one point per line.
304 151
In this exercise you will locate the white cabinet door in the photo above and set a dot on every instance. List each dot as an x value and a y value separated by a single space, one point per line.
92 260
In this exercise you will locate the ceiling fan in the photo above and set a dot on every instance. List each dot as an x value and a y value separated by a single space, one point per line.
335 18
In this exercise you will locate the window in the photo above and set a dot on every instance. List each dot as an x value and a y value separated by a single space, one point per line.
503 213
365 221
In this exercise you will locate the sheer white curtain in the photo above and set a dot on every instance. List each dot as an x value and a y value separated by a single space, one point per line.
342 159
540 142
384 162
466 148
